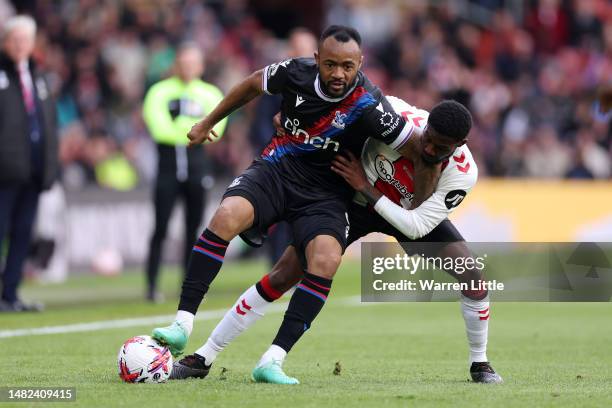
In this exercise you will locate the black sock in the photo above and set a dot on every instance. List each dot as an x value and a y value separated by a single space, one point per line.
204 264
306 303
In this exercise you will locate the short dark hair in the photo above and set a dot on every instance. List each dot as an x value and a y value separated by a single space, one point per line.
451 119
341 33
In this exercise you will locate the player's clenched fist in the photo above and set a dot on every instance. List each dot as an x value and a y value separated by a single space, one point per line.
201 132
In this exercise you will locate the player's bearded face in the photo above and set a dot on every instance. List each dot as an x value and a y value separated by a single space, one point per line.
339 62
336 87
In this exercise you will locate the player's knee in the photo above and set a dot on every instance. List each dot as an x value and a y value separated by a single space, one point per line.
223 224
324 264
231 218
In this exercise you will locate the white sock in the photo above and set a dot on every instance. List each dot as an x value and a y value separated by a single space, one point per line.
186 320
476 317
274 353
249 308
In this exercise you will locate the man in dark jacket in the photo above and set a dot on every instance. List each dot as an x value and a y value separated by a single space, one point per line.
28 151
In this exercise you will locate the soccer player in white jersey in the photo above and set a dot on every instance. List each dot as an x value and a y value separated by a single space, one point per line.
383 203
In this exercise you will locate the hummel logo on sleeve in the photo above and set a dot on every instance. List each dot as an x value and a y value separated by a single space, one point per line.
454 198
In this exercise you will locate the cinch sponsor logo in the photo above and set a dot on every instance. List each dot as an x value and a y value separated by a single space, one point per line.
386 171
293 126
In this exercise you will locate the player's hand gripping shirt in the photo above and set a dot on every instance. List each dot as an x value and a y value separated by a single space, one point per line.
392 175
318 126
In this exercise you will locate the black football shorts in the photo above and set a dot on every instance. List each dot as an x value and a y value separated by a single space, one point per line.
308 210
365 220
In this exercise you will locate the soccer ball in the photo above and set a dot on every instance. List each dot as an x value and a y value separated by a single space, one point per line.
142 359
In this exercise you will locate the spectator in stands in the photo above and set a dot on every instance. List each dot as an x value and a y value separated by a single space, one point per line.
552 54
28 151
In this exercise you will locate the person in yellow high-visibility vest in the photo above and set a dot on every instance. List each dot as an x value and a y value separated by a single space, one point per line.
171 107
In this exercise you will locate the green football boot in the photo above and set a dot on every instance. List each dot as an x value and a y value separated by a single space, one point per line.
174 336
272 373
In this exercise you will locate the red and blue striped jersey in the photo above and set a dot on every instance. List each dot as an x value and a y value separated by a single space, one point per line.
318 126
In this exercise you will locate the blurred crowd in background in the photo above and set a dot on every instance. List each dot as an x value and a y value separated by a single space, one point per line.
528 71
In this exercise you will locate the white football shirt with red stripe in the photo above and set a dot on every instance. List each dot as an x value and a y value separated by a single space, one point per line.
392 174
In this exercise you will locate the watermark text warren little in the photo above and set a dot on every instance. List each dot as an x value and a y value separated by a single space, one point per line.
511 271
411 264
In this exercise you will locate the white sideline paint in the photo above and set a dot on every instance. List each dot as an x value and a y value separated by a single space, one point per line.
140 321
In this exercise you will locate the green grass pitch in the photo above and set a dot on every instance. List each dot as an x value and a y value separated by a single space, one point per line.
400 354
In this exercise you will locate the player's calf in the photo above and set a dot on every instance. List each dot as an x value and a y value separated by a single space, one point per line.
323 255
207 256
287 272
476 314
248 309
306 303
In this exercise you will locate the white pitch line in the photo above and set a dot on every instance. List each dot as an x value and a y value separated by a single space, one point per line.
135 322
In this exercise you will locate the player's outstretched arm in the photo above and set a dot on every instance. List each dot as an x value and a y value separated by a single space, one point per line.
239 95
414 223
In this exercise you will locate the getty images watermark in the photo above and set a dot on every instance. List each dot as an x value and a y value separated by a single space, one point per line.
411 264
566 272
